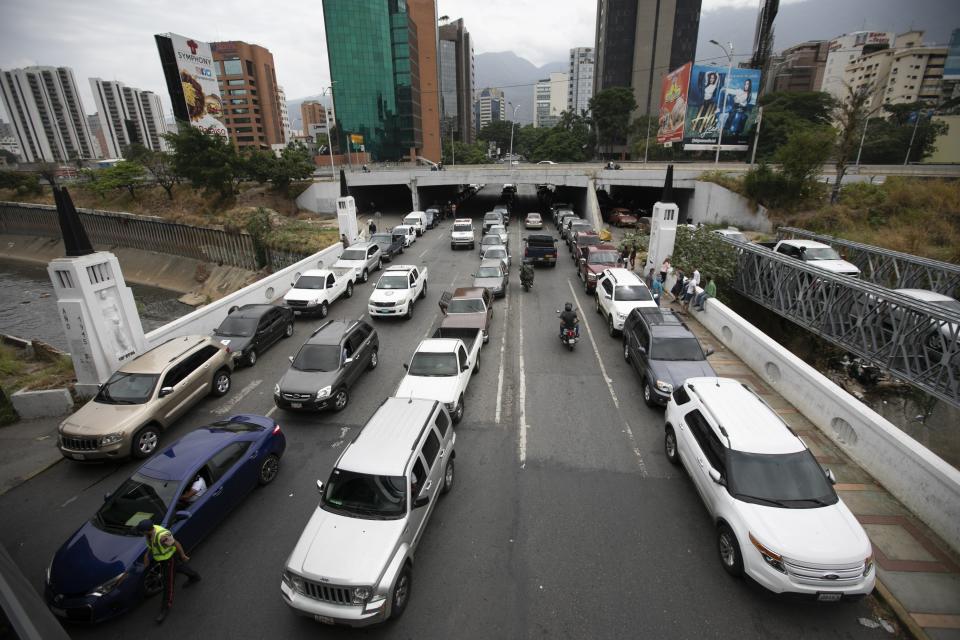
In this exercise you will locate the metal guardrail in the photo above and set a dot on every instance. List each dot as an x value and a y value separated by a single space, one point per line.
888 268
913 340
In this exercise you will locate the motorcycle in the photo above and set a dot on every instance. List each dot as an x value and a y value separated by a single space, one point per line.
568 335
526 275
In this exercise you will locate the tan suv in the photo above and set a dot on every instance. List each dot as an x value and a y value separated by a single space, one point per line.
144 397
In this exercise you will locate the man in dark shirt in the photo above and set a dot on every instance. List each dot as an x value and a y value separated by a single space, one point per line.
568 319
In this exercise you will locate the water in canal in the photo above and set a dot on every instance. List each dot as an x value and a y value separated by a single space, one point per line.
28 308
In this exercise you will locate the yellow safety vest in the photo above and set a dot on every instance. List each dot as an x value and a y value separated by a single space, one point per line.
157 549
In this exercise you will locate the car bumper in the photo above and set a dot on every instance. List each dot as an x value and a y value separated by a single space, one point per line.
462 242
328 613
777 582
534 226
88 609
113 451
544 259
397 310
659 397
302 405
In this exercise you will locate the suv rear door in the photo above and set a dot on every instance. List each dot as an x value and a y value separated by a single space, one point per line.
634 337
432 456
190 379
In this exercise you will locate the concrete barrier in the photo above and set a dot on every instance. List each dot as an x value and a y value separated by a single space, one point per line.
207 318
42 404
921 480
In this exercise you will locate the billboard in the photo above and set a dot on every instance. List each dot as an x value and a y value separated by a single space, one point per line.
673 104
951 68
714 104
192 82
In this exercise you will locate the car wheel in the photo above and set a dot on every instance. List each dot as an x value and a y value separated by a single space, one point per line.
349 291
410 309
251 357
400 595
647 394
221 383
374 360
729 550
597 299
324 309
288 331
364 276
379 264
458 411
153 579
453 247
448 476
145 442
610 326
476 365
401 249
268 469
340 399
423 293
670 446
626 351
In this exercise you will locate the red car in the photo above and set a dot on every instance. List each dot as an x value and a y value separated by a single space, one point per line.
597 258
622 218
584 239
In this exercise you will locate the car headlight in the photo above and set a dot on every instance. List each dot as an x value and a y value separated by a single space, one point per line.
276 389
621 316
293 580
108 586
770 557
110 438
591 276
49 567
323 393
868 564
666 387
361 594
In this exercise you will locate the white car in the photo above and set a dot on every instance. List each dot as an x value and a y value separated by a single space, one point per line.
501 231
397 291
777 516
944 303
417 220
497 252
619 291
732 233
462 234
409 233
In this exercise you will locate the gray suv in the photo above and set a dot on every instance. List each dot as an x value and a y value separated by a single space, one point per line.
663 351
327 366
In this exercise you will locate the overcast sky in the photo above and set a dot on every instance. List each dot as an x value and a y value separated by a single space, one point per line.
113 39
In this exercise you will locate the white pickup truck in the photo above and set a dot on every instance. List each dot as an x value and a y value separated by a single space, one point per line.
816 254
397 291
316 289
441 369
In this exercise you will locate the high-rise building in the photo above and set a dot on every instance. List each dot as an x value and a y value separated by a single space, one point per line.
374 61
580 87
8 141
249 90
47 115
490 105
845 49
314 118
128 116
799 68
97 139
907 72
549 99
638 41
456 82
423 14
284 114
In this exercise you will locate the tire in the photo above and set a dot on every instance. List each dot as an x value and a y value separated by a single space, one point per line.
152 582
626 351
586 287
453 247
670 446
145 442
268 470
610 327
449 474
251 357
729 550
410 310
325 309
597 298
364 276
288 331
401 249
221 383
476 365
471 246
379 264
400 594
349 291
341 399
458 411
423 293
647 393
374 360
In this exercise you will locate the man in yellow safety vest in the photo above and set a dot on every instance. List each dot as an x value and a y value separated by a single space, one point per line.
163 548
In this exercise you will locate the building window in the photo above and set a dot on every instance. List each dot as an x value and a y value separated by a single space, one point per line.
232 67
237 92
236 83
244 138
241 120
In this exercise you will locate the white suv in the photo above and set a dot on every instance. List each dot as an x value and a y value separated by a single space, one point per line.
353 562
778 518
461 235
619 291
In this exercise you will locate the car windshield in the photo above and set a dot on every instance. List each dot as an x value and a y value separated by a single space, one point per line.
632 293
675 349
466 305
498 228
494 253
237 327
127 388
139 498
382 238
488 272
821 253
579 225
790 480
317 357
392 282
491 240
433 365
354 254
533 217
309 282
365 495
463 227
603 257
405 230
491 217
411 220
739 237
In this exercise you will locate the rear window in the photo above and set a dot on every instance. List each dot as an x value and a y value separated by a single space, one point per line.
466 305
463 227
541 241
236 426
633 293
354 254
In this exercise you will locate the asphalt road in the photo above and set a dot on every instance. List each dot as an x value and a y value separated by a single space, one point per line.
566 520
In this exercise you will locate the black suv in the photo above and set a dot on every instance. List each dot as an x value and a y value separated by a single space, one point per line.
663 351
327 365
249 330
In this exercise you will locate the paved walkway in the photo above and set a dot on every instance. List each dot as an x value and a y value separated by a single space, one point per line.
27 448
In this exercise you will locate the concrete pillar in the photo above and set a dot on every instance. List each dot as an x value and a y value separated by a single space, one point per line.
414 195
663 234
98 315
591 209
347 218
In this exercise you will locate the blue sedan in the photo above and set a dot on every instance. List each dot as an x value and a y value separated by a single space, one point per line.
98 573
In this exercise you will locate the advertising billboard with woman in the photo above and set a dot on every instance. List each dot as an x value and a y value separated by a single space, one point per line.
713 103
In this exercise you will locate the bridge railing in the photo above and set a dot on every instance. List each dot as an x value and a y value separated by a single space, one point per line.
913 340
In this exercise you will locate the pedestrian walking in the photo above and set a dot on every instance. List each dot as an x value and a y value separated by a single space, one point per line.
677 290
164 549
710 291
372 227
664 268
651 278
624 256
633 258
656 289
690 289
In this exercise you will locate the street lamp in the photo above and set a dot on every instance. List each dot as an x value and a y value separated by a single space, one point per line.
726 87
513 122
333 171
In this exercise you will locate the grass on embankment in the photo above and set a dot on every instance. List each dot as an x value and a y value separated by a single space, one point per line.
20 371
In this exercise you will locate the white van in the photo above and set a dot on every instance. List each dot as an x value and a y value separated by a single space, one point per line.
417 220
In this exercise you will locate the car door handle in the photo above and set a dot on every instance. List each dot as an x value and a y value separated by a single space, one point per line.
427 486
700 462
442 452
218 492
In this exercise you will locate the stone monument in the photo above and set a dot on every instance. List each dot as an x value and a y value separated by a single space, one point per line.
663 226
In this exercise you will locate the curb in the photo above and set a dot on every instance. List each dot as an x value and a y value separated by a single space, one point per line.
29 476
902 614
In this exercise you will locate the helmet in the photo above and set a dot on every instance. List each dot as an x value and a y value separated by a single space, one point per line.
568 307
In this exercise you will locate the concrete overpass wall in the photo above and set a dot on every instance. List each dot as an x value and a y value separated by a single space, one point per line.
713 204
320 197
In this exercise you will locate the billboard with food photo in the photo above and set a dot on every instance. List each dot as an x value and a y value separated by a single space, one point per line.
192 81
712 104
673 104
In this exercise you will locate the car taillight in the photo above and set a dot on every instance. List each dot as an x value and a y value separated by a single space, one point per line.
526 252
276 429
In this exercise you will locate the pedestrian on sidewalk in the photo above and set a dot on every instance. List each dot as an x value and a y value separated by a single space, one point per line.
372 227
343 239
650 278
677 290
633 258
664 268
656 289
690 290
624 256
710 291
163 549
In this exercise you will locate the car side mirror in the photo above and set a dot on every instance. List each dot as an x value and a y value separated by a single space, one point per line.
422 501
708 353
164 392
642 350
180 516
106 496
406 367
717 478
320 486
829 473
290 358
348 360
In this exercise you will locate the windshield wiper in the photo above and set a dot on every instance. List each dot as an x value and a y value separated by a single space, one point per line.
818 501
776 503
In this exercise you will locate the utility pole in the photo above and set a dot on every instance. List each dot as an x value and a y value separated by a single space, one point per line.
913 135
512 125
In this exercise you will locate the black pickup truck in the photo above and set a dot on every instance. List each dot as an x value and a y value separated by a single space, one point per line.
540 248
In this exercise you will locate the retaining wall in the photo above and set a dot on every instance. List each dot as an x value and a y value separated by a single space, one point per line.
320 197
713 204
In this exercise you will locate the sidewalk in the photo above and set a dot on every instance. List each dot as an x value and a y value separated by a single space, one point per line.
27 448
918 575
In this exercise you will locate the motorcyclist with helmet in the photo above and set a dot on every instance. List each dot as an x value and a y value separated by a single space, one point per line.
569 320
526 274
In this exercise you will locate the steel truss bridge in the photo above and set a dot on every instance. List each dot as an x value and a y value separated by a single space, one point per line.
910 339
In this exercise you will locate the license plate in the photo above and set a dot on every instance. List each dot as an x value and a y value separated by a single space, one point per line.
58 612
323 619
828 596
78 456
296 405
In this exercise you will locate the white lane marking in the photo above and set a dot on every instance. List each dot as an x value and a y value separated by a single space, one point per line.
228 406
425 252
522 396
503 344
609 382
272 409
69 501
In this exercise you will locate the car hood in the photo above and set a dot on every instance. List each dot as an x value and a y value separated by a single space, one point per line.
97 418
826 535
296 381
599 267
462 234
836 266
443 389
91 557
488 283
345 551
303 295
389 295
676 372
626 306
465 321
236 344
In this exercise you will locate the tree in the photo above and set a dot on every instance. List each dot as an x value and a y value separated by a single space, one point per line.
887 139
475 153
497 131
787 112
158 163
802 158
295 163
611 110
705 251
848 116
206 160
123 175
